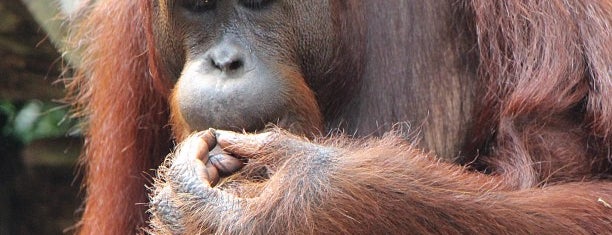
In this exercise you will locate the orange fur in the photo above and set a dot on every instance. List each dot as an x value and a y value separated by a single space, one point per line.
373 186
119 92
180 128
543 66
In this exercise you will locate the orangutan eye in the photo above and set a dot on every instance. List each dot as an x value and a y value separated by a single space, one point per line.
255 4
198 6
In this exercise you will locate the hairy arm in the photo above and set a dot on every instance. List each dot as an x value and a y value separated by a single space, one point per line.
344 186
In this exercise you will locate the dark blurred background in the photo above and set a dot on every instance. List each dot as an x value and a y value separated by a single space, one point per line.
39 142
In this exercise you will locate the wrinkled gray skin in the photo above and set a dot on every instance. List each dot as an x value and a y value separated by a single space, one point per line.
186 201
238 65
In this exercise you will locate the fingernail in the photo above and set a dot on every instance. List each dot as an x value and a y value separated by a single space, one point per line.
209 138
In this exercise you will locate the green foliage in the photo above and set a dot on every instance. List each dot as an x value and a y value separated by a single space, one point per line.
36 120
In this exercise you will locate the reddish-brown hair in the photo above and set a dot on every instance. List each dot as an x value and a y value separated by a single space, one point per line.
120 93
546 67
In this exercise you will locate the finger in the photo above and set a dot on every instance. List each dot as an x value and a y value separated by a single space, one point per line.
210 138
243 145
164 209
210 174
206 172
192 156
193 148
225 163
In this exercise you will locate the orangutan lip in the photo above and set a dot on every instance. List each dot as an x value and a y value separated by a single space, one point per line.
257 128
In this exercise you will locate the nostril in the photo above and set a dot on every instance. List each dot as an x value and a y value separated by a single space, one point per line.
215 65
226 63
235 65
227 57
